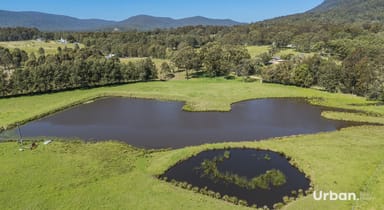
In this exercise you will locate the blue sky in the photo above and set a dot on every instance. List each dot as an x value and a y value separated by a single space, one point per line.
239 10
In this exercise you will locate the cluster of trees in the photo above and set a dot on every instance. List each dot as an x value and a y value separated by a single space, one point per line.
11 59
157 43
68 69
305 35
359 73
21 33
305 72
215 60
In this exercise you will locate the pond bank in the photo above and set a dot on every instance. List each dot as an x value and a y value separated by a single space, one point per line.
154 124
199 95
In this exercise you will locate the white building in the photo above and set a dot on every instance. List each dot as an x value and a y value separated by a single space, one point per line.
63 41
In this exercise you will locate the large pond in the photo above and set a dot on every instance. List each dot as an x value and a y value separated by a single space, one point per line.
253 163
160 124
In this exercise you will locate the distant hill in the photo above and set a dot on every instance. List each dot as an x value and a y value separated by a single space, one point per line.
350 10
212 22
146 22
330 4
337 11
51 22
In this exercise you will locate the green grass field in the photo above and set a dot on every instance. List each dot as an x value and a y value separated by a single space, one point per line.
111 175
157 61
255 51
258 50
33 46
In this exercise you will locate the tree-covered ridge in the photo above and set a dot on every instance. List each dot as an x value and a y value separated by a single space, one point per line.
350 10
330 4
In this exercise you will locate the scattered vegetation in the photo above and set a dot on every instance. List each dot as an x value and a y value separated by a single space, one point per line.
267 157
227 154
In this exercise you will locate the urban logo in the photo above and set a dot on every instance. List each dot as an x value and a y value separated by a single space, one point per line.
332 196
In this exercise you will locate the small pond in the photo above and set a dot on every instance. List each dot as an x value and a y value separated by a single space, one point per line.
246 163
160 124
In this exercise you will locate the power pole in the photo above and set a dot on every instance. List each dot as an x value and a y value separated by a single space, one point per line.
20 136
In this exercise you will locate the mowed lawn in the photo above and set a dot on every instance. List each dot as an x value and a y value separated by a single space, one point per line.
112 175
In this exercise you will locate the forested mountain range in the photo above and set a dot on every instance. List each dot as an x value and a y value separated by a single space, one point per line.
350 10
51 22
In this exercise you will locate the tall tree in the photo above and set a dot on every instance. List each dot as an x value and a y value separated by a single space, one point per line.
214 60
5 58
329 76
187 59
302 76
3 83
147 69
165 71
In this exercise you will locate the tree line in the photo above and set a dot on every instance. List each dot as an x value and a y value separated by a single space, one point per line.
22 33
68 69
359 73
214 60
